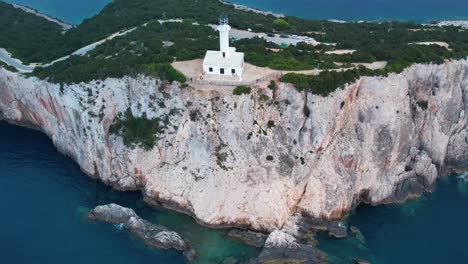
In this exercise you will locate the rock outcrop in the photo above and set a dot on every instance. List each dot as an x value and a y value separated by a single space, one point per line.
250 238
254 161
281 247
153 235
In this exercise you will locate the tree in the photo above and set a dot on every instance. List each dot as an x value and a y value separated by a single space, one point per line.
280 23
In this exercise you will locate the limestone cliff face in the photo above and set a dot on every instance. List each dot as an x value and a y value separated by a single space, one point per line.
256 160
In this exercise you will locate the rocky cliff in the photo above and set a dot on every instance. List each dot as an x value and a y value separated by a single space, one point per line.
256 160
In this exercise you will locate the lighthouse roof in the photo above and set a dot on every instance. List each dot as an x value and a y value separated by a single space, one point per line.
215 58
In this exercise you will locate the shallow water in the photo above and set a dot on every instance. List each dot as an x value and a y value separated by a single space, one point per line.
431 229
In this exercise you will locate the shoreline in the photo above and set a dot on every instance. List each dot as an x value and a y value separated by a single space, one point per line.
252 9
65 26
444 22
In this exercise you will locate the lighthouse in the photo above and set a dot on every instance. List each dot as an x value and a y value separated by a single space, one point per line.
225 63
224 29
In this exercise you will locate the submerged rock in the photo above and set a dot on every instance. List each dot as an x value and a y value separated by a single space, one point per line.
281 247
152 235
250 238
338 230
361 261
354 229
230 260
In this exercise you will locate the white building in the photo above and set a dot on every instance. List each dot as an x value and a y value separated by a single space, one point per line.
225 64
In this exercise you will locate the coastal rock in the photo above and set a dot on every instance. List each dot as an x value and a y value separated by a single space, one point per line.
281 247
247 162
155 235
354 229
111 214
250 238
361 261
338 230
152 235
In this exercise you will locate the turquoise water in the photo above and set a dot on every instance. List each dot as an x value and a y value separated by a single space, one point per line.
412 10
71 11
44 195
432 229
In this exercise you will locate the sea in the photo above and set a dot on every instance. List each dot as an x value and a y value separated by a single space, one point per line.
44 195
75 12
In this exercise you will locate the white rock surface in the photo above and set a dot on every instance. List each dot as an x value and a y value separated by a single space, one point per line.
211 161
280 239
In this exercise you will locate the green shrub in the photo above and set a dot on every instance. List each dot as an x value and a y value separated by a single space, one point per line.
272 85
264 97
7 67
242 89
327 81
271 124
138 131
422 104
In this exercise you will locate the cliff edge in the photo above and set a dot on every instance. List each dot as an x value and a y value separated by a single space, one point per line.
256 160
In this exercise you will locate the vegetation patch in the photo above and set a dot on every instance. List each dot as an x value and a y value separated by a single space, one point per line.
25 35
271 124
138 131
280 23
422 104
34 39
327 81
242 89
7 67
195 115
221 156
272 85
139 52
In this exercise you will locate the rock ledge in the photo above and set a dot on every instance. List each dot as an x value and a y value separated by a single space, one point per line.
153 235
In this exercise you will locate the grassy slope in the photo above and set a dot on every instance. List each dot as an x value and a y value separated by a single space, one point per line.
29 37
143 51
35 39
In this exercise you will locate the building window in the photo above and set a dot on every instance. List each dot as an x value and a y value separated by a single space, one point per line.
210 69
221 70
233 71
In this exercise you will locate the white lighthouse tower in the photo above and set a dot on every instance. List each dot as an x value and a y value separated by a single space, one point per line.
225 64
224 29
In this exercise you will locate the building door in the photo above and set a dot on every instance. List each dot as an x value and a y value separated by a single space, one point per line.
221 70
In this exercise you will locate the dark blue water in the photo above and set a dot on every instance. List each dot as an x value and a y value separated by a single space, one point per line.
44 195
410 10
